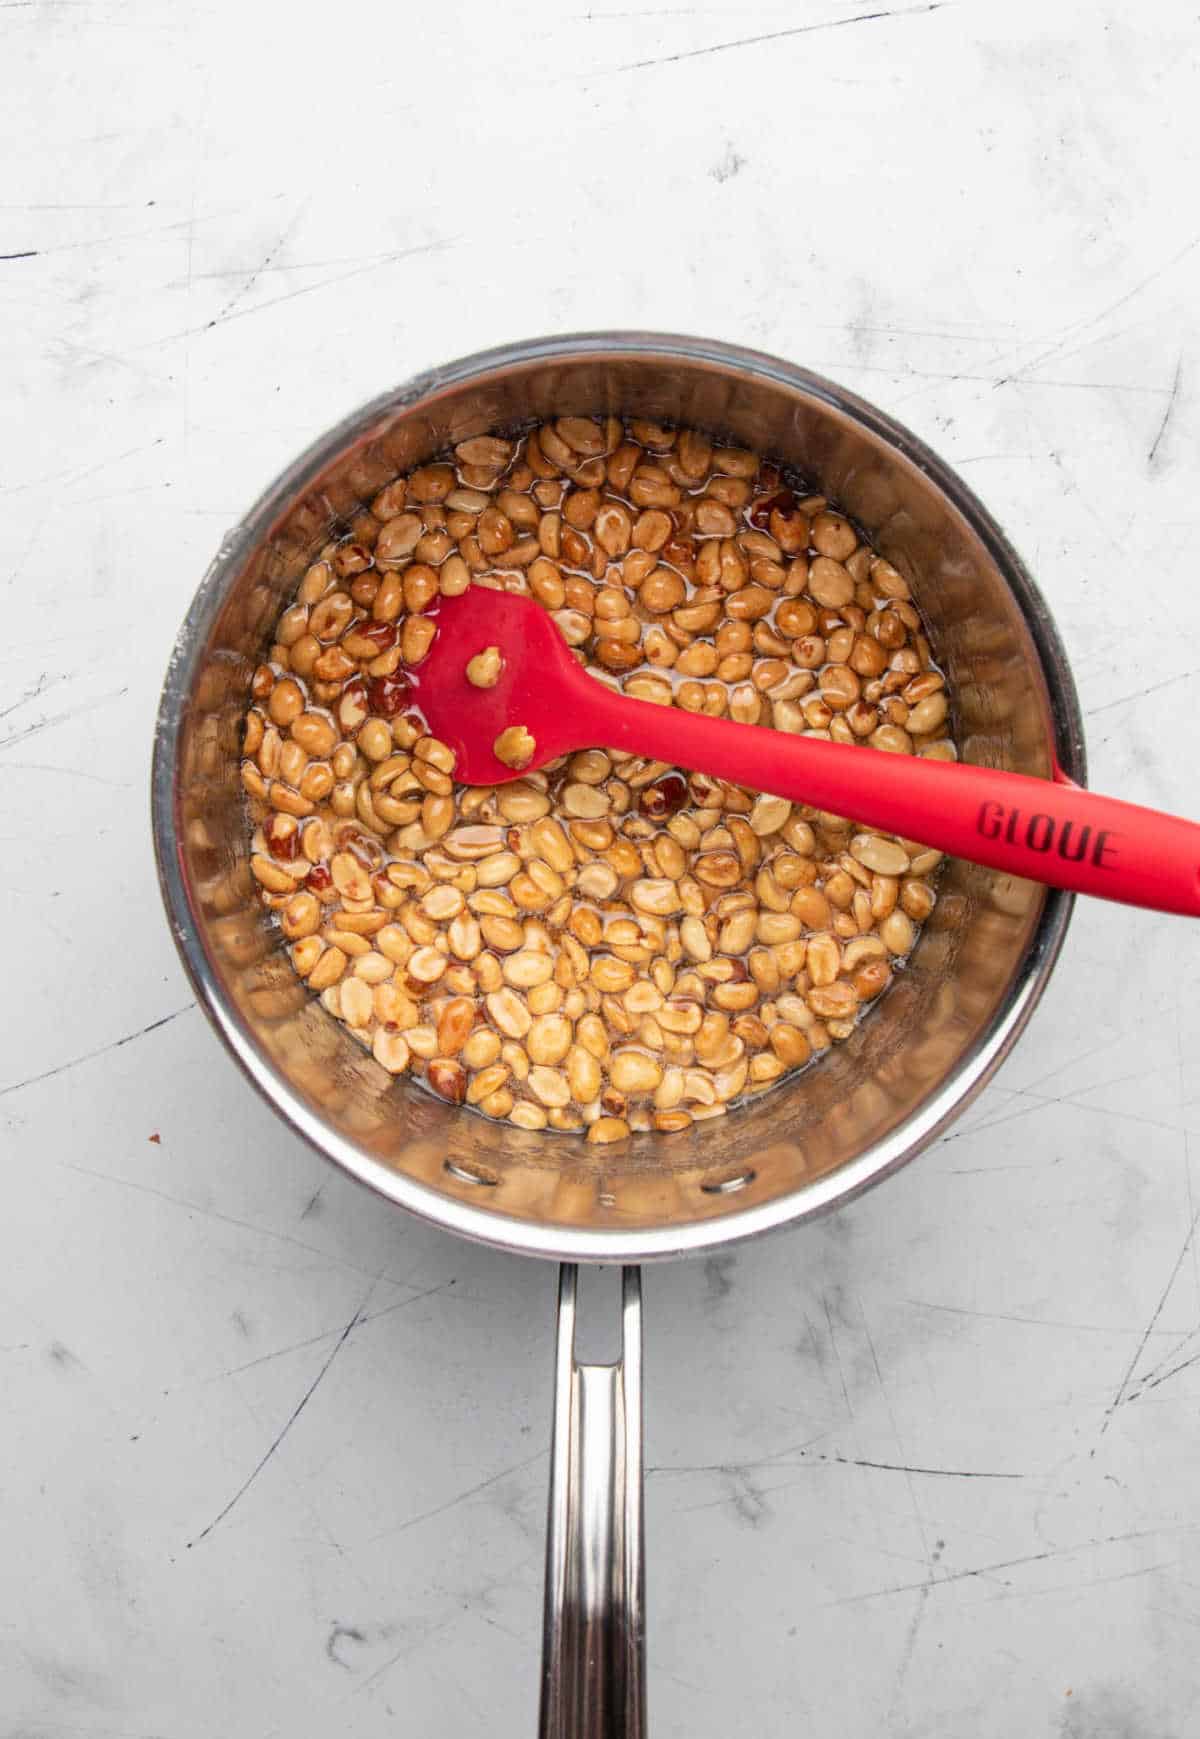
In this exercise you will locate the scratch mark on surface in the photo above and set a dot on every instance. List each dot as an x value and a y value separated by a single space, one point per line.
314 1340
1187 1145
1139 388
986 458
1065 1102
295 1414
68 773
892 329
452 1503
837 1355
1179 1355
69 351
1149 1329
1152 456
28 254
999 1170
134 235
313 1202
37 687
240 295
781 1458
1174 1371
288 268
1071 484
1008 1116
1079 326
102 1050
1075 1587
492 1624
640 12
388 1664
188 1207
309 289
77 476
1110 1112
117 205
1011 1564
781 35
909 1648
931 1472
1096 342
48 723
727 1498
1024 1321
1124 700
1084 1056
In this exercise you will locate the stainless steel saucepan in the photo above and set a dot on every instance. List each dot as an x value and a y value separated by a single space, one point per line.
980 965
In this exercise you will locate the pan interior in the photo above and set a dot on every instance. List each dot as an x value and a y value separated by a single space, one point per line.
820 1136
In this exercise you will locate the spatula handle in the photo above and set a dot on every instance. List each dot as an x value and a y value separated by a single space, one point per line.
594 1645
1052 831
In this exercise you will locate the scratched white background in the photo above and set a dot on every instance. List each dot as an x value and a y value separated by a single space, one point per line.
929 1468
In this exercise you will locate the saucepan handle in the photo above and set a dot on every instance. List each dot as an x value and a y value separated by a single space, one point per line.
593 1648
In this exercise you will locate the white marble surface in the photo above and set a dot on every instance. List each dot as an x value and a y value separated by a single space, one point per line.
928 1468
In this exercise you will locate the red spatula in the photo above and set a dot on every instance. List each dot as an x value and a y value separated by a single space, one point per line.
1052 831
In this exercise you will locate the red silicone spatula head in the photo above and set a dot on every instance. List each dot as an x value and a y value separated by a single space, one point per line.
538 685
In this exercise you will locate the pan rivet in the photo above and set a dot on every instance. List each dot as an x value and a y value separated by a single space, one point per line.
470 1171
725 1186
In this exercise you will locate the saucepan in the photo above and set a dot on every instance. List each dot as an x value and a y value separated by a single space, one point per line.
818 1139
